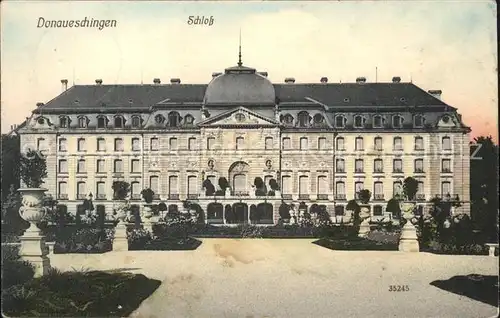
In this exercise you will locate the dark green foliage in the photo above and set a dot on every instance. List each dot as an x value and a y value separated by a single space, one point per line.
394 208
79 238
209 187
223 184
284 211
12 223
364 196
147 195
121 189
14 270
78 294
260 187
410 188
274 185
10 164
32 169
357 244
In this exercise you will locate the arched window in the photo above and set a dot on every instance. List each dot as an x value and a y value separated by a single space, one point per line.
418 121
64 122
174 119
102 122
119 122
359 121
304 119
378 121
136 121
340 121
397 121
82 122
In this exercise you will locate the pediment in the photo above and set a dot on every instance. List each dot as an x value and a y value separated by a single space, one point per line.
239 116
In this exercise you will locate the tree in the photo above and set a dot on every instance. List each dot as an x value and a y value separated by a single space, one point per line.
147 195
260 187
364 196
121 190
410 188
11 220
209 187
10 164
32 169
393 207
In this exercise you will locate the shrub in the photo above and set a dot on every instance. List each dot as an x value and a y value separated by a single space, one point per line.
364 196
32 168
14 270
138 238
147 195
121 190
284 211
274 185
72 239
394 208
209 187
223 184
410 188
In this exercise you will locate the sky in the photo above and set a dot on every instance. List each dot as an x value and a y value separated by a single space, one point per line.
446 45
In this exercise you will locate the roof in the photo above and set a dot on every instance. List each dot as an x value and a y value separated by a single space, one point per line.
140 96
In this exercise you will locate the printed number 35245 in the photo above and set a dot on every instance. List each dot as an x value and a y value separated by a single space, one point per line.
399 288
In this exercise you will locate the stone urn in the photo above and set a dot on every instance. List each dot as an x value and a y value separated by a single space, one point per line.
121 213
32 209
277 193
293 217
228 192
147 211
364 215
408 241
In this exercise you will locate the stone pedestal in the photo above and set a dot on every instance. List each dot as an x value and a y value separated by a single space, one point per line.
364 227
409 241
120 242
34 250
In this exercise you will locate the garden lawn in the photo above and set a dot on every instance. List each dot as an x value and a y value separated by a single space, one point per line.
78 294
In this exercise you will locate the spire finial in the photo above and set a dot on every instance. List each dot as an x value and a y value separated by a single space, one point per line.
239 55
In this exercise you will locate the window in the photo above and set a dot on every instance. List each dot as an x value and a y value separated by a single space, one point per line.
172 185
339 210
397 143
154 184
377 143
340 189
189 120
288 119
286 184
102 122
378 121
240 141
192 143
397 121
397 165
81 190
154 144
322 143
322 187
446 165
397 188
445 188
64 122
418 121
358 186
358 165
269 143
378 165
172 143
135 165
101 189
446 143
304 119
340 166
118 144
81 144
210 143
80 168
159 119
173 119
101 165
359 121
303 143
287 143
340 144
135 188
419 143
63 189
101 144
63 144
82 122
303 185
118 166
340 121
40 144
119 122
359 143
63 166
136 144
192 184
378 189
420 189
419 165
377 210
136 121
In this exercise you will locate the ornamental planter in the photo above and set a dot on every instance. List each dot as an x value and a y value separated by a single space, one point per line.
364 215
120 241
33 248
408 241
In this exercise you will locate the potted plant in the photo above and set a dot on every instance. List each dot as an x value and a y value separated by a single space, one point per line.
284 211
147 195
32 169
121 189
260 187
209 187
275 188
224 186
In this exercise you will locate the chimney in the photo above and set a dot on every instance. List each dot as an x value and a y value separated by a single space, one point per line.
64 83
98 81
215 74
361 80
39 104
156 81
324 80
289 80
263 74
436 93
396 79
175 81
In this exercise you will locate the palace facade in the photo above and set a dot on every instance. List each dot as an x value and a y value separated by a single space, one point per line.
322 142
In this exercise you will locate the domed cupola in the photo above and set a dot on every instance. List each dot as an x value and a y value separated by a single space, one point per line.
239 85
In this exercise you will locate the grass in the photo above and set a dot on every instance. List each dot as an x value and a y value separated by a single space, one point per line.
78 294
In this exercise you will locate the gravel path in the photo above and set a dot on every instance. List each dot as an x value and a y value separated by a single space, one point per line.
294 278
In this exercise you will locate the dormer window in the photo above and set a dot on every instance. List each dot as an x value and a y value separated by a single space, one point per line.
397 121
173 119
102 122
189 120
359 121
340 121
119 122
64 121
303 119
136 121
418 121
446 119
159 119
288 119
82 122
378 121
318 119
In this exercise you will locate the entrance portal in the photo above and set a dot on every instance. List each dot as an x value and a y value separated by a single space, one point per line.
238 177
240 211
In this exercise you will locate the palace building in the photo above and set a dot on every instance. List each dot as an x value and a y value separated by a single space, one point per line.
322 142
